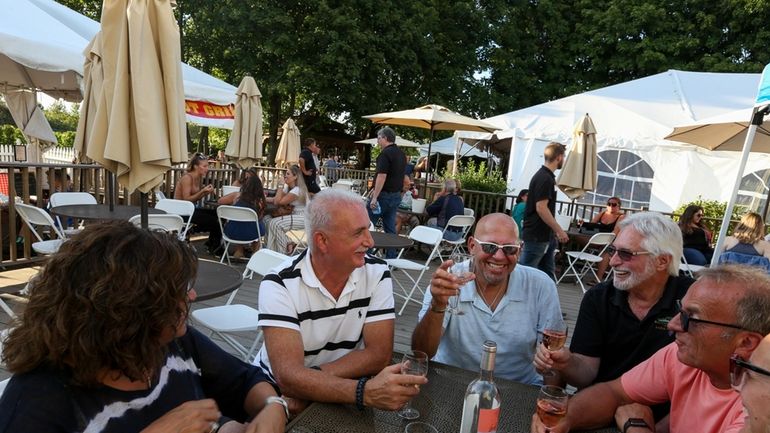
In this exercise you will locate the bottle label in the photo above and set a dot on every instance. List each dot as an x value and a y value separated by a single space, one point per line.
488 419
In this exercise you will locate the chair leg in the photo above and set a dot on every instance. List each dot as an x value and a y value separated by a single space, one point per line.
226 254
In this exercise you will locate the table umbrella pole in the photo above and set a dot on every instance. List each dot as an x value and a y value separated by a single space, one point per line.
110 187
144 212
427 163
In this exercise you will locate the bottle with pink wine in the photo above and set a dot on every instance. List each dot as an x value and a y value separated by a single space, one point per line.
481 410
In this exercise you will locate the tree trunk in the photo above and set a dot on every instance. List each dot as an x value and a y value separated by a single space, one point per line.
274 118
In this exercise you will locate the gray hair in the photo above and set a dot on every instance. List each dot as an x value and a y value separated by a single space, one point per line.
318 213
660 236
450 185
751 309
388 133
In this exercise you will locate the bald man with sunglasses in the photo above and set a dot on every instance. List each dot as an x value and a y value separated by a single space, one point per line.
506 303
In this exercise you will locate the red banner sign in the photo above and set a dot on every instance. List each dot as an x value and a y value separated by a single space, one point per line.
208 110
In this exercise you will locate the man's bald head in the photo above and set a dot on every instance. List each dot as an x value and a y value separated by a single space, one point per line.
496 222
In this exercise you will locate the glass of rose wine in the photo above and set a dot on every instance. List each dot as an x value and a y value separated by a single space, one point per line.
415 363
462 268
551 405
554 338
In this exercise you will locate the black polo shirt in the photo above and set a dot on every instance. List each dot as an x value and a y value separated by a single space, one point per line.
607 329
392 162
542 186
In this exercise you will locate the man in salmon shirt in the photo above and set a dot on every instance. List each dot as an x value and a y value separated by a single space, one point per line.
724 314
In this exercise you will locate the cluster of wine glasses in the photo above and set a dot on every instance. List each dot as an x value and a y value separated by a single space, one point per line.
554 338
415 363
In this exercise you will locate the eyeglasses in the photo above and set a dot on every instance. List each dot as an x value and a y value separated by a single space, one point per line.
613 204
200 156
624 254
686 319
699 215
491 248
738 369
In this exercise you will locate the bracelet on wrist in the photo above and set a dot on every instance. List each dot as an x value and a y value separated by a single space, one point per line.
360 393
435 309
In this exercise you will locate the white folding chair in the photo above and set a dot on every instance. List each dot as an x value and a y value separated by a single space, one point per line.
226 319
464 223
159 195
229 189
688 269
236 214
183 208
69 198
35 217
342 185
322 182
600 240
563 221
468 211
166 222
420 234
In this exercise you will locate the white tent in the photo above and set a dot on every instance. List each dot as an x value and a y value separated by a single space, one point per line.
632 118
41 47
447 147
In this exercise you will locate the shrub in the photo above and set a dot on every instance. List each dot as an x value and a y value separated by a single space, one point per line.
474 177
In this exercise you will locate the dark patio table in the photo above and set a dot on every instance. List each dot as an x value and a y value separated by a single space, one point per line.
215 279
440 403
390 240
100 211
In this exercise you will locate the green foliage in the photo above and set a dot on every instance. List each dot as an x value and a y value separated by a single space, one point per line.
65 138
713 212
474 177
62 119
9 134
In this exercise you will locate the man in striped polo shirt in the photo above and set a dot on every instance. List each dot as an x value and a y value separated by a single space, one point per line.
327 315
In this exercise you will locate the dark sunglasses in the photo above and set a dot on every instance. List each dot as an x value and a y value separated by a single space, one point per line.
738 369
200 156
686 319
613 204
624 254
491 248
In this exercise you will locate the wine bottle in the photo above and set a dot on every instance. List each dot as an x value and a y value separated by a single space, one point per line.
481 410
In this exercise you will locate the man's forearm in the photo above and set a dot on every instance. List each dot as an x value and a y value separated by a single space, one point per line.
595 407
548 218
313 385
579 373
358 363
427 334
379 182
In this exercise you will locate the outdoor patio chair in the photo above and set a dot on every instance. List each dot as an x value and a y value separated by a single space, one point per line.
236 214
69 198
230 318
464 223
420 234
183 208
688 269
342 185
588 259
35 217
167 222
564 221
229 189
469 212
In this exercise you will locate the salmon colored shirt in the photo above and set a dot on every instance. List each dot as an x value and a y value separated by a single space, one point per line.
696 405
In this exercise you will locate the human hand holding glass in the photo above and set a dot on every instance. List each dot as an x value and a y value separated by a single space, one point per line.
415 363
462 268
554 338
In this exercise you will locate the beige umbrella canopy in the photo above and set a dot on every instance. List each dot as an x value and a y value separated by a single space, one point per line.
29 117
93 80
401 142
579 172
723 132
138 127
289 146
245 143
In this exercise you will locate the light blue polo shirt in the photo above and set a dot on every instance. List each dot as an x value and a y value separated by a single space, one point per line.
530 303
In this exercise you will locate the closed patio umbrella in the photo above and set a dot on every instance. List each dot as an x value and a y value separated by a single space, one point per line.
289 146
579 172
30 119
93 80
245 143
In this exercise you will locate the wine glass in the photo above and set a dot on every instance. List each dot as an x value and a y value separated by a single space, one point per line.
419 427
415 363
462 268
551 405
554 337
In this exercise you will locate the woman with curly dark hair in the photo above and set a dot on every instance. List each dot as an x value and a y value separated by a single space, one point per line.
695 236
103 346
252 196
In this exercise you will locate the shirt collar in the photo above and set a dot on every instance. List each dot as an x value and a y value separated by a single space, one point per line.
666 301
310 278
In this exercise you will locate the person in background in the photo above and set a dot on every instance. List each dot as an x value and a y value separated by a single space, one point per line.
332 164
507 303
103 346
245 175
409 192
518 208
752 380
308 164
294 194
723 314
696 237
386 195
252 196
190 187
747 238
607 222
447 205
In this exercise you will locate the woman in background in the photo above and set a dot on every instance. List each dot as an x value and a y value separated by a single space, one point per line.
190 187
748 237
252 196
607 222
245 175
696 239
518 209
103 346
293 193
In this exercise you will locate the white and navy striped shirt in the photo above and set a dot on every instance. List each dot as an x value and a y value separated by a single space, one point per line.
292 297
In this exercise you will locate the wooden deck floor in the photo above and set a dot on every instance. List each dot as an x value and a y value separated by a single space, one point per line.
569 296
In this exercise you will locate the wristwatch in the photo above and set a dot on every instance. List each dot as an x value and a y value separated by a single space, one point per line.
635 422
281 401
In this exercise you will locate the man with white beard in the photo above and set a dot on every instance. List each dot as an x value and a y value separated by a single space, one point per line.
622 322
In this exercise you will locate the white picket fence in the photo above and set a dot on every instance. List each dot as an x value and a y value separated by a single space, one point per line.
54 155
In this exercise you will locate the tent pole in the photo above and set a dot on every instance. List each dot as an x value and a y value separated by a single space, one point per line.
757 116
427 163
